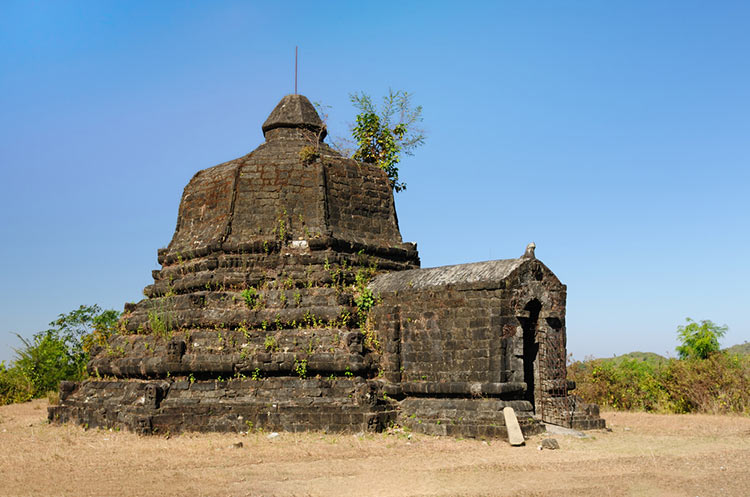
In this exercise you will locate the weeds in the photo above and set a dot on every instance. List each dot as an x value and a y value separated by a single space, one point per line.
270 344
281 231
300 367
244 329
308 154
253 298
160 323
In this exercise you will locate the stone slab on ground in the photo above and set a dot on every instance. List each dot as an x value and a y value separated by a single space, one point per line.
515 436
561 430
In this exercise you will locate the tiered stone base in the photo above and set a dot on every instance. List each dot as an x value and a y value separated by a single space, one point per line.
475 418
288 404
572 412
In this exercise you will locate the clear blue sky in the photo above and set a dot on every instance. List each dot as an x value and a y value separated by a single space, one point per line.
615 135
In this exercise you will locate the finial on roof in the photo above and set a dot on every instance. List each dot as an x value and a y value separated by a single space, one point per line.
529 254
295 111
295 70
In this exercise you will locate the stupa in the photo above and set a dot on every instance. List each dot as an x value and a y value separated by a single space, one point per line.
287 300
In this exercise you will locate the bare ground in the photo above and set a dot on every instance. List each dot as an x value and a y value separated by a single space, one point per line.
644 455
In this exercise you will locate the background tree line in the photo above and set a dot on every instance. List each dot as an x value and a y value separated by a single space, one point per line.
702 379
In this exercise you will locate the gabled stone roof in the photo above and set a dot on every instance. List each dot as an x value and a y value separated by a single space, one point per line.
459 274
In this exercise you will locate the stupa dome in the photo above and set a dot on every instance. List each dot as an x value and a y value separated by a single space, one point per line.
292 188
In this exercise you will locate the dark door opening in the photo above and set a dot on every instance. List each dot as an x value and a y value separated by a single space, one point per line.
530 348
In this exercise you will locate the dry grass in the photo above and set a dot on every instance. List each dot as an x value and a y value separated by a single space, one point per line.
645 454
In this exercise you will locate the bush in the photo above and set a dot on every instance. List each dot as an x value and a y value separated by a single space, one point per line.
383 136
14 386
46 360
57 354
717 385
627 384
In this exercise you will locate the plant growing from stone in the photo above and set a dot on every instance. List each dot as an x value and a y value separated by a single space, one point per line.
243 328
383 136
363 296
300 367
270 344
281 231
308 154
250 295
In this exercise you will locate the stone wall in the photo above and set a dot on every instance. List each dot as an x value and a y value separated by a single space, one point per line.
360 203
464 417
235 405
225 353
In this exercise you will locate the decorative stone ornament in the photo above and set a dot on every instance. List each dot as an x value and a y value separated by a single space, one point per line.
175 349
152 396
142 425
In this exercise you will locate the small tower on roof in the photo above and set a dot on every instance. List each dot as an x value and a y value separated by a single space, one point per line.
295 112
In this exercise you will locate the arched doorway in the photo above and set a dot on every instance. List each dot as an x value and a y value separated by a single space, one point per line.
530 348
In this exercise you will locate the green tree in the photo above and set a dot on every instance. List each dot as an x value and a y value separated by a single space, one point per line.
85 327
699 340
59 353
382 136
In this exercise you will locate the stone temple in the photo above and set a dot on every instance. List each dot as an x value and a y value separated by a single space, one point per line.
287 300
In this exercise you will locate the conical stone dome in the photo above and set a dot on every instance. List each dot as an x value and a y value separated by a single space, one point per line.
292 188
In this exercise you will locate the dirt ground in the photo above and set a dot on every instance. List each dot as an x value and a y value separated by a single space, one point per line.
643 455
